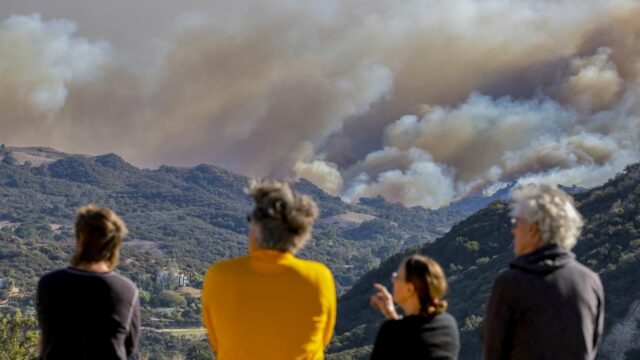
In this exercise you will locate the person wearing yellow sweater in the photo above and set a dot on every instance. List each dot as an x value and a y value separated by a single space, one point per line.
270 304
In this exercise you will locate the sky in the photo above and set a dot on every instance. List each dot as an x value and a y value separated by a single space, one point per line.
421 102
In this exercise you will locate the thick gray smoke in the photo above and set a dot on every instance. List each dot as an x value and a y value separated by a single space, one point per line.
417 101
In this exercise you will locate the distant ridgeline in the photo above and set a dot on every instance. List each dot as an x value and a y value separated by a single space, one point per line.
476 249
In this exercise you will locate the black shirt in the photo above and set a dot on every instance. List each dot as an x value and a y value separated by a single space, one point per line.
87 315
418 337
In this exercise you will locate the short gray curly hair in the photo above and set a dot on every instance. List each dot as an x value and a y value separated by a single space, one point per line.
285 218
552 209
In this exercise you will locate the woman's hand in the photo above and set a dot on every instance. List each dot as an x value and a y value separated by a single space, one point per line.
383 301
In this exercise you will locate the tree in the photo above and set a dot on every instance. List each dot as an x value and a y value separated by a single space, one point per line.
199 351
18 336
171 299
9 159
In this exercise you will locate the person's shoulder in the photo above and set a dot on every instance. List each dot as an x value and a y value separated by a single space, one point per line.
123 281
314 267
52 276
440 320
509 276
446 321
228 265
407 324
584 273
446 318
392 326
508 281
577 266
311 264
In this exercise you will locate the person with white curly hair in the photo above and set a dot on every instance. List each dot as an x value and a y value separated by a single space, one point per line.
546 305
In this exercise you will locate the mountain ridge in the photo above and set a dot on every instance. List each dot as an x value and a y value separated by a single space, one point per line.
203 207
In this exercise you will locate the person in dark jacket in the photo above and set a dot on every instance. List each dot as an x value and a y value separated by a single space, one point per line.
426 331
87 311
546 305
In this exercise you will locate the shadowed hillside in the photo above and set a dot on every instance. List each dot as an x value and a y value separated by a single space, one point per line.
480 246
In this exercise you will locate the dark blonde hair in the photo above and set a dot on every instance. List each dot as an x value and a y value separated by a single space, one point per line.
285 218
100 231
430 283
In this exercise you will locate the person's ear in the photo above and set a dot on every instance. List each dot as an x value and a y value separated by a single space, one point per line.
410 289
534 229
79 242
535 232
253 237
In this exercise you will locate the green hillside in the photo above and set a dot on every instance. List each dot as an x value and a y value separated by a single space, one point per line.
480 246
196 216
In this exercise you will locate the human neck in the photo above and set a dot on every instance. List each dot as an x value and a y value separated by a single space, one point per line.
411 306
98 267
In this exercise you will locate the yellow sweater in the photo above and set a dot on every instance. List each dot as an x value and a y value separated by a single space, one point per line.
269 305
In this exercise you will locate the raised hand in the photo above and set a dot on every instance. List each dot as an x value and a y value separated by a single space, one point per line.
382 300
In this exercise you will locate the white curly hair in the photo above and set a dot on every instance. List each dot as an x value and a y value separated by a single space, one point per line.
552 209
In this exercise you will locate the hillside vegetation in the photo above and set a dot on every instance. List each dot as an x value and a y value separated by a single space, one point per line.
194 216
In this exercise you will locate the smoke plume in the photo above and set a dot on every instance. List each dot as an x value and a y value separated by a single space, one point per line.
418 101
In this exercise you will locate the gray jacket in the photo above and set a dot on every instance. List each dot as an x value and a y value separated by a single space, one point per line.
545 306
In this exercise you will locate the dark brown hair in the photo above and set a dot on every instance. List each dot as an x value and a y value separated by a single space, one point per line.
100 232
430 283
285 218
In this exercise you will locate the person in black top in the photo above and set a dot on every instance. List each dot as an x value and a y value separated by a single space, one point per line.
426 331
87 311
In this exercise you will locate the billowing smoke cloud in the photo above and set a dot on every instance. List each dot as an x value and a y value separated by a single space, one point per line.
318 171
417 101
321 172
594 83
39 62
420 182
